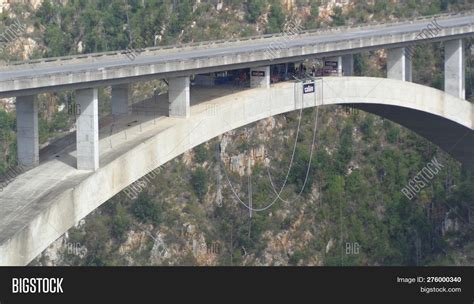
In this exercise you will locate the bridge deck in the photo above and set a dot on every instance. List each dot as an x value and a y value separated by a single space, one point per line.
96 70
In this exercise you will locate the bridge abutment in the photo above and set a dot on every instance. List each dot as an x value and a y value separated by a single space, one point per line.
399 66
179 97
121 99
87 130
260 77
454 68
27 130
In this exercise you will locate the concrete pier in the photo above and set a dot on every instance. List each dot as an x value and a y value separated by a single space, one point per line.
87 130
260 77
454 68
348 65
399 67
121 99
178 95
27 130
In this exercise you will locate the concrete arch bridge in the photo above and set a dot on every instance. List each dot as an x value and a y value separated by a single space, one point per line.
41 204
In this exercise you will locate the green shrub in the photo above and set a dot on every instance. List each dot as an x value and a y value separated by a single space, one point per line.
120 222
199 182
201 153
255 9
146 210
367 127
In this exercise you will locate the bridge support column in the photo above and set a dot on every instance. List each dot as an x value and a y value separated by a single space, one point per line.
454 68
260 77
398 65
27 130
408 68
179 97
121 99
87 130
348 65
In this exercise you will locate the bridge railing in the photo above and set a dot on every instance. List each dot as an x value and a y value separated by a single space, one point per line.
232 40
119 66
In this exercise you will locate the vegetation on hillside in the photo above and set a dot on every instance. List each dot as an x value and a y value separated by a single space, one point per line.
350 195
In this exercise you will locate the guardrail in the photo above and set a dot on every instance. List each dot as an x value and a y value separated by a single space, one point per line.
235 40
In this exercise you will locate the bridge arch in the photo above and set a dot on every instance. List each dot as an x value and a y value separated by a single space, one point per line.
441 118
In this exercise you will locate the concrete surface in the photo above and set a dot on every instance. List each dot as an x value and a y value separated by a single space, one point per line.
87 129
348 65
27 130
121 99
398 65
454 68
179 100
260 77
